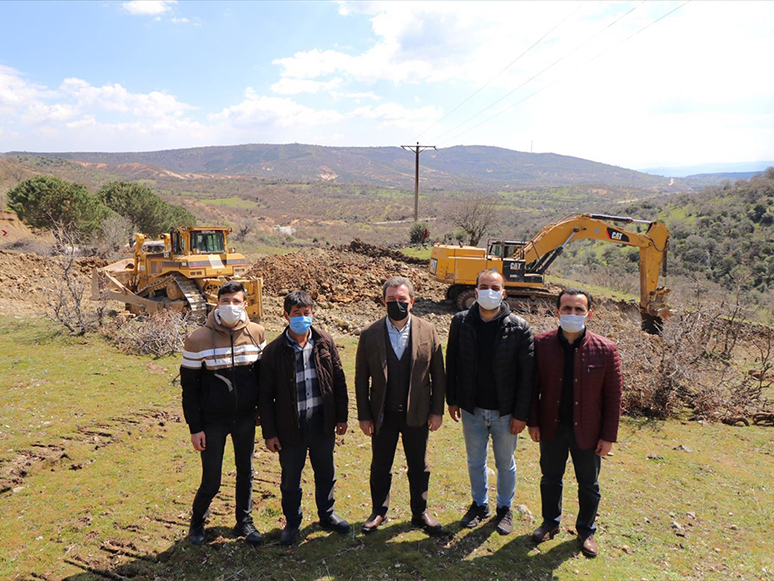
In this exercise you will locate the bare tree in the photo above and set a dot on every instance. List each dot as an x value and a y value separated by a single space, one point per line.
67 295
116 233
474 214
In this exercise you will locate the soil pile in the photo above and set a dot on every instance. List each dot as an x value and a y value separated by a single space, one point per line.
27 280
359 247
341 276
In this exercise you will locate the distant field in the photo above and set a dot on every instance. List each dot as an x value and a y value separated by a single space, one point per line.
109 476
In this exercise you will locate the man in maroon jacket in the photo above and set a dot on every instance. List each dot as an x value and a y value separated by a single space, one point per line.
576 410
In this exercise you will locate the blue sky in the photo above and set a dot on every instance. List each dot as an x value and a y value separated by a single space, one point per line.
628 83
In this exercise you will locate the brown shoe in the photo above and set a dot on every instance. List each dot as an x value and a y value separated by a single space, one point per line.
373 522
424 521
544 533
589 546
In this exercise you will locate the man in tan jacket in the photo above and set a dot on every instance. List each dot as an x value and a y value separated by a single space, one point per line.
399 384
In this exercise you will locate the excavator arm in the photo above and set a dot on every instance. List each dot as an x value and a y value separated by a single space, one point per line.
549 243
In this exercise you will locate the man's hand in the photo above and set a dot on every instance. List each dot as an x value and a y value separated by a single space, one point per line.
434 422
454 412
368 427
341 428
603 447
517 426
273 445
534 433
199 441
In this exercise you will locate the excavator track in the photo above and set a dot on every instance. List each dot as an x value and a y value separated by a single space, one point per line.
196 302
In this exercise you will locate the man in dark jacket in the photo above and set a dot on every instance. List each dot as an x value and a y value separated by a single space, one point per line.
219 376
490 366
399 383
576 411
303 405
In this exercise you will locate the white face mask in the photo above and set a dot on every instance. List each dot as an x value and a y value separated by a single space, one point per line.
489 299
230 314
572 323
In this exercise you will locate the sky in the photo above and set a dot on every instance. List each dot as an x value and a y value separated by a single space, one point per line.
633 84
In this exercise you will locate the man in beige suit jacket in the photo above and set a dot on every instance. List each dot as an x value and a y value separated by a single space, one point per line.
400 385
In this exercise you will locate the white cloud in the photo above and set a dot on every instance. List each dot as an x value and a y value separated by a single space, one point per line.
148 7
290 86
257 109
396 115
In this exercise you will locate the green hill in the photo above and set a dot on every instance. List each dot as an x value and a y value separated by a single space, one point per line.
460 167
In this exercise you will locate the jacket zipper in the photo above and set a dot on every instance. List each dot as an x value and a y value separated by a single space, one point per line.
233 377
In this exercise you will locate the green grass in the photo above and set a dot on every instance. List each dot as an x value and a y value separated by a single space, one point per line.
418 252
232 202
114 497
598 292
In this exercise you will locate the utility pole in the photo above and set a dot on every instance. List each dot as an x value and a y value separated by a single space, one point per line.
417 149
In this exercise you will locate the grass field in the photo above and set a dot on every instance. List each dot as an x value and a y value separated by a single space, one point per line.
98 476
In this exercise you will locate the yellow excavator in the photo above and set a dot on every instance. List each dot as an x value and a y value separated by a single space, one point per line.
523 264
182 270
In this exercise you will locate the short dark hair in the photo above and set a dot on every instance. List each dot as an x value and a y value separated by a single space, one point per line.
490 271
297 298
231 286
395 282
573 291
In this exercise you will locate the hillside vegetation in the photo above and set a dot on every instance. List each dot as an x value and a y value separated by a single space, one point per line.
460 167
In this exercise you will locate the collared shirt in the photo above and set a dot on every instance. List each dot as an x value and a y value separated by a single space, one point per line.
307 387
399 338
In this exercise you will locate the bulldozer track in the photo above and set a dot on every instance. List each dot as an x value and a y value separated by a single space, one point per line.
196 302
161 283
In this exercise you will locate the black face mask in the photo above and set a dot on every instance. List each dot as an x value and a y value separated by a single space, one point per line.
397 310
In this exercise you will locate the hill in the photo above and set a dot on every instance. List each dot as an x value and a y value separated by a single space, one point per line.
459 167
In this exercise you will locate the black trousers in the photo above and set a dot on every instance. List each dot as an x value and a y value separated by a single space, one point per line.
242 433
553 460
292 459
415 447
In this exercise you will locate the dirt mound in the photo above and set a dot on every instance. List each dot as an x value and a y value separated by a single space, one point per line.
27 280
359 247
339 276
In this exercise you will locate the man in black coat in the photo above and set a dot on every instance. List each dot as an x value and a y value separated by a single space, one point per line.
490 367
302 400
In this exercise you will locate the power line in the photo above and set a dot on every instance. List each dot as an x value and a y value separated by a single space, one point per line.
417 150
556 62
559 79
482 87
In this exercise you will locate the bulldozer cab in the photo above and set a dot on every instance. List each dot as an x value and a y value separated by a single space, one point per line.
504 248
198 241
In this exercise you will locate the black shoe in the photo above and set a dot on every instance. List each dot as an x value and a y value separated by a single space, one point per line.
504 520
373 523
249 532
334 522
475 515
289 534
544 532
196 534
431 526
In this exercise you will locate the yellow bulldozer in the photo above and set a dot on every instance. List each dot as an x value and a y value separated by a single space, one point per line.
523 264
181 270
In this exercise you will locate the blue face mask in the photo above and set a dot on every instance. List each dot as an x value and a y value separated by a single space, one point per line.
300 325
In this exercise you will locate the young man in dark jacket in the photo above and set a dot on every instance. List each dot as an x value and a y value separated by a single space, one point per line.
576 411
303 405
489 367
219 376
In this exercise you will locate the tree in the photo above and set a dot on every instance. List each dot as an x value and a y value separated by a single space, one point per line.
48 203
147 211
474 214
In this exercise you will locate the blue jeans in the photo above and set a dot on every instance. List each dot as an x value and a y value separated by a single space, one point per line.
477 427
